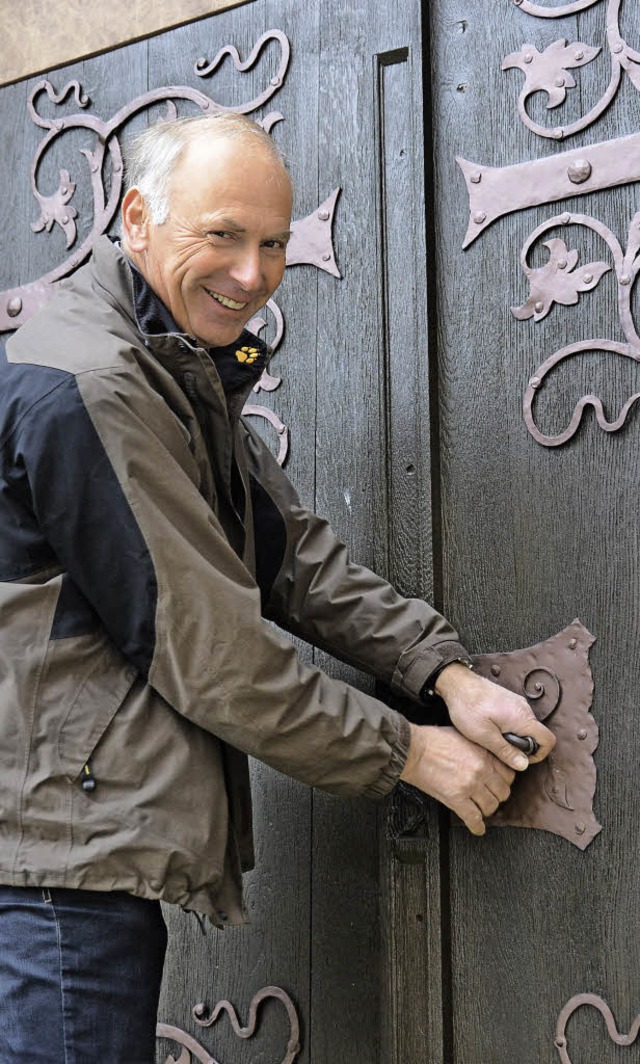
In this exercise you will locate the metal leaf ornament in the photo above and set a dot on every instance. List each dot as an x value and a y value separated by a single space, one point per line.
558 281
56 208
548 71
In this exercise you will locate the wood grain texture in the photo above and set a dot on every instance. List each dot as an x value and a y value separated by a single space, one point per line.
412 991
67 31
533 537
349 486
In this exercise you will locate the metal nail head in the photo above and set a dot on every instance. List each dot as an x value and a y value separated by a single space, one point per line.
579 171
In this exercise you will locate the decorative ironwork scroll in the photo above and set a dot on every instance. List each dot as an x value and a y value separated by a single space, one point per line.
311 240
598 1003
550 71
206 1018
497 191
555 677
559 281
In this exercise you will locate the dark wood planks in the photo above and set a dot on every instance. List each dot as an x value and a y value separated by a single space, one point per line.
532 538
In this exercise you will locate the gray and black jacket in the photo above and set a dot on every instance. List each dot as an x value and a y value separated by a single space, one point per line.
146 533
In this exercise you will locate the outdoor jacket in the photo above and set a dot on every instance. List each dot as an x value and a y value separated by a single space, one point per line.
146 532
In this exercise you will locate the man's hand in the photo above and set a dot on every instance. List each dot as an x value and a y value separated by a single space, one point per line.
483 712
461 775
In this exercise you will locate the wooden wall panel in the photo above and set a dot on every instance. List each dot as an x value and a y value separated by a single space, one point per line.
337 921
532 538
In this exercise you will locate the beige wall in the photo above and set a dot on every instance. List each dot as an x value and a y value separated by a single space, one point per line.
39 35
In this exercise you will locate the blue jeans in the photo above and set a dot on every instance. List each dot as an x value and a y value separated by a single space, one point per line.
80 975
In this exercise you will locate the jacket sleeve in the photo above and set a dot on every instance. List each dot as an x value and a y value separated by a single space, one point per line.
115 490
344 608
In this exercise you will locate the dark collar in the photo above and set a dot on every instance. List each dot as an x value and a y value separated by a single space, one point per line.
237 364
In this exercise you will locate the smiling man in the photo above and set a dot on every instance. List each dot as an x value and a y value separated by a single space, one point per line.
146 536
219 254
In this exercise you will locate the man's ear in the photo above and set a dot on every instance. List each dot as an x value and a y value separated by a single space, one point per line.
135 220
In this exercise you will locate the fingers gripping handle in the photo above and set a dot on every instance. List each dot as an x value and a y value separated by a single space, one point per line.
526 743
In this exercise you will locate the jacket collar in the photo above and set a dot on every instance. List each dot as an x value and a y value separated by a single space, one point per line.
239 365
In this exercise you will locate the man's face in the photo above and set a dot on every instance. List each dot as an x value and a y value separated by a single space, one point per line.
221 253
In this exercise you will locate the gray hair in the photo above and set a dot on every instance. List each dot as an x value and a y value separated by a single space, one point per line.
152 156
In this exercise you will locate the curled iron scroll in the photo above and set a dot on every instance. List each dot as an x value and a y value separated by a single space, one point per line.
598 1003
550 71
557 794
559 282
206 1018
311 237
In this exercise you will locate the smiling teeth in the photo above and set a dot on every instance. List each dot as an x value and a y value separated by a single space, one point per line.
226 302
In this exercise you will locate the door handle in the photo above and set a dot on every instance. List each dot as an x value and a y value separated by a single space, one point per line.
555 677
526 743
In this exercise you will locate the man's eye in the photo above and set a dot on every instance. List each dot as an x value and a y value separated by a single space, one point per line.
275 244
222 233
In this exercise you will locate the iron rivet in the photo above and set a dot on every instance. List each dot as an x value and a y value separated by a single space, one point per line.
580 828
60 125
539 307
588 278
323 216
476 178
117 168
14 306
276 81
560 1043
625 279
558 133
579 171
573 644
579 54
64 190
326 257
495 670
65 219
535 382
565 219
479 218
562 264
94 169
618 48
528 57
199 1010
517 2
554 790
559 82
582 734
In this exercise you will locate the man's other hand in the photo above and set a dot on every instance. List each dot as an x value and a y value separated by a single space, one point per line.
483 712
463 776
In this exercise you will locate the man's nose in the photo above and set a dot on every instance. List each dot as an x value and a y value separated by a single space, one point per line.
246 268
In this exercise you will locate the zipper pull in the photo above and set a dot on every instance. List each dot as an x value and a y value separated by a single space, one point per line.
88 779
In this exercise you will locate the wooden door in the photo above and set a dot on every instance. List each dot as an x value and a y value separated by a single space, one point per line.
353 398
397 938
536 531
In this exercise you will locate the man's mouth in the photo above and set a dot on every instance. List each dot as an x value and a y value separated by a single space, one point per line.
232 304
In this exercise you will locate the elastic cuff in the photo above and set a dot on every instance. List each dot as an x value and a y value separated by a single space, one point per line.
389 777
429 689
415 669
